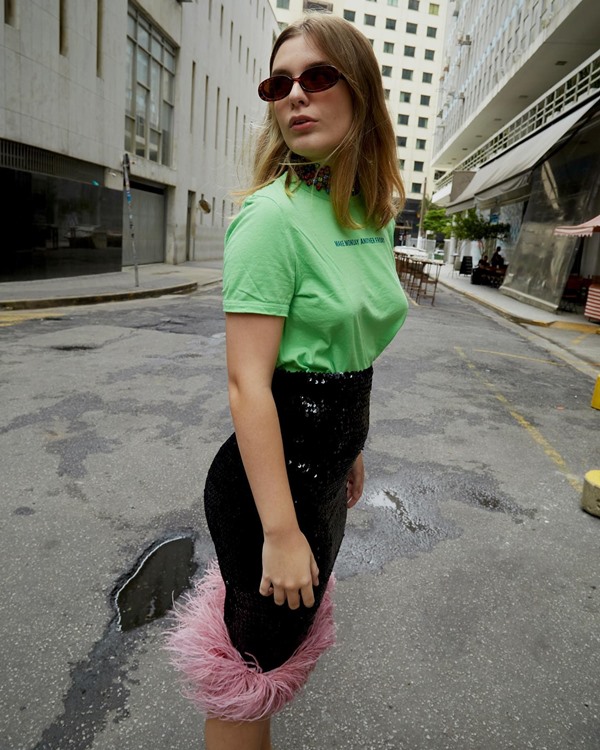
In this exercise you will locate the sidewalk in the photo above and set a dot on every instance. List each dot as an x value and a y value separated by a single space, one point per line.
164 278
572 336
517 312
155 280
570 331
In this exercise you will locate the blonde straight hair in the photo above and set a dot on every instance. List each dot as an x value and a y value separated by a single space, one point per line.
368 151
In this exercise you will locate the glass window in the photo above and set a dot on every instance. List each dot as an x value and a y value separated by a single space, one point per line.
431 32
401 140
434 9
149 91
143 35
418 166
386 70
309 5
388 47
369 20
386 93
423 122
421 144
427 77
390 23
285 4
142 66
401 163
350 15
429 54
393 3
129 108
413 4
402 119
409 51
411 28
416 187
407 74
405 97
425 100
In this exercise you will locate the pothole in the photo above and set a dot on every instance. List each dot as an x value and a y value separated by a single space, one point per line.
156 580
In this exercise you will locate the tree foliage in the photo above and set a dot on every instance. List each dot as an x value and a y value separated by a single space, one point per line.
437 221
469 225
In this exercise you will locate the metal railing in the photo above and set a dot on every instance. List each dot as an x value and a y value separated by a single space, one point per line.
556 101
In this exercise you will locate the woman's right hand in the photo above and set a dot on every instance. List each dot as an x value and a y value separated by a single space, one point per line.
289 569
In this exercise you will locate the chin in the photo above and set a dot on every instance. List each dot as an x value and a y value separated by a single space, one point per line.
306 151
309 154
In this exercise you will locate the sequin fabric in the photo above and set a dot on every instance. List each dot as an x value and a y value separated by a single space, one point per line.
324 421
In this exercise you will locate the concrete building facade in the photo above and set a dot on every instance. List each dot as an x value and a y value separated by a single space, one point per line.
517 133
172 83
408 38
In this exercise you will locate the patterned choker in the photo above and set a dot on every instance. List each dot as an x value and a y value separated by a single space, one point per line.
312 175
318 177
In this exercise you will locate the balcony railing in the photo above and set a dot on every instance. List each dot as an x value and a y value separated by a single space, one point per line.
554 102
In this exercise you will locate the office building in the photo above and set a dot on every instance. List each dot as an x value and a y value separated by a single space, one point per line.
407 37
518 133
171 83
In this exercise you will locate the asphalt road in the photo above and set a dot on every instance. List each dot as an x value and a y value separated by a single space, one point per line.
468 597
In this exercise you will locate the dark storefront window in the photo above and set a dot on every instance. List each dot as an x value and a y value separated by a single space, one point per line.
55 226
564 185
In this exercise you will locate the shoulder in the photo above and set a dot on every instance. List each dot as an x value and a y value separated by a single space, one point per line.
264 210
275 194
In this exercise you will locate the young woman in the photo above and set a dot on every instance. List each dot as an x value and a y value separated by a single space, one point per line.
311 299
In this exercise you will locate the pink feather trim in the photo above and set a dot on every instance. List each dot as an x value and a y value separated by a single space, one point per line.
217 678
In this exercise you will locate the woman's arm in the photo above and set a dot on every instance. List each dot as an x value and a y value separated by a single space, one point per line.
355 482
289 567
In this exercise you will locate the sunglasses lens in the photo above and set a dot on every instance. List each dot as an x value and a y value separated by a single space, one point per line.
319 78
274 88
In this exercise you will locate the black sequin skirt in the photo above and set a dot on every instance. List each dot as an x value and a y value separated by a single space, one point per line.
324 420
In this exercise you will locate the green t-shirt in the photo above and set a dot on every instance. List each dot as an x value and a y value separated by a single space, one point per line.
337 287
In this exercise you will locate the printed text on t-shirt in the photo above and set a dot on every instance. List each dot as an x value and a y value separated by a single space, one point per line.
360 241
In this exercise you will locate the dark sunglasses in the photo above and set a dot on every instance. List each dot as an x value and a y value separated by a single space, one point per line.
313 80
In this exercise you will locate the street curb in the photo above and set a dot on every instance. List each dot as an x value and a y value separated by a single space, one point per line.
96 299
517 318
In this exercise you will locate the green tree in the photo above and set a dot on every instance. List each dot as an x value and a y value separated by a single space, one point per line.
437 221
470 225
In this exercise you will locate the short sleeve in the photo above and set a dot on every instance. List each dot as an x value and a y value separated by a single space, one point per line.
259 265
390 231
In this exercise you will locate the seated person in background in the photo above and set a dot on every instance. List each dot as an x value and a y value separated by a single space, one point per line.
477 277
497 259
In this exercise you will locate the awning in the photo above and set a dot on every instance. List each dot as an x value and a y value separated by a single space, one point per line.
442 196
581 230
512 168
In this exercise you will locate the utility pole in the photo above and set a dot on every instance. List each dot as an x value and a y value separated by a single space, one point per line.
126 185
423 203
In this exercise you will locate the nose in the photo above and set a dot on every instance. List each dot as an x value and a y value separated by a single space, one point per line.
297 95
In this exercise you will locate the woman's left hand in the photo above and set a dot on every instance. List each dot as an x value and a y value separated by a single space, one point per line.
355 482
